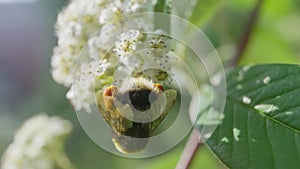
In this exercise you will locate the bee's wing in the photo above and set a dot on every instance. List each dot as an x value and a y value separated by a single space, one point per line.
171 95
113 117
101 107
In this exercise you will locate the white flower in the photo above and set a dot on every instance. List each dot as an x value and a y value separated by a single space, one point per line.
37 143
131 6
147 55
127 42
81 92
74 25
107 15
77 26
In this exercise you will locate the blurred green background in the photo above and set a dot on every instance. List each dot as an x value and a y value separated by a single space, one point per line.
26 87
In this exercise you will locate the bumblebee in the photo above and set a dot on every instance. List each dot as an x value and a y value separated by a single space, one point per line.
134 111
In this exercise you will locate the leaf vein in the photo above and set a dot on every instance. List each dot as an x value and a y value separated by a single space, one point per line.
266 115
249 139
270 144
280 94
297 145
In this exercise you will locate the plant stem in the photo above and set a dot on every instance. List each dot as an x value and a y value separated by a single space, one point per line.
163 6
163 21
62 161
247 33
189 151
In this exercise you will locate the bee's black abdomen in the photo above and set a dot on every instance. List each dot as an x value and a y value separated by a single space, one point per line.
134 139
138 130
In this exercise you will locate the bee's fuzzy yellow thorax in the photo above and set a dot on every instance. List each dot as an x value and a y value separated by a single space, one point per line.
140 83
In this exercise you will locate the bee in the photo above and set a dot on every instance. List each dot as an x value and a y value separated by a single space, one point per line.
134 111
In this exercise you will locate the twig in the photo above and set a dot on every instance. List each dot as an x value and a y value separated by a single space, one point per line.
247 33
189 152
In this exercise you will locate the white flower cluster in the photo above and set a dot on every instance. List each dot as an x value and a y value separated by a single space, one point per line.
75 26
37 143
148 55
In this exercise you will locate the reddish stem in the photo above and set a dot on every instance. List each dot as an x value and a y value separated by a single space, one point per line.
247 33
189 151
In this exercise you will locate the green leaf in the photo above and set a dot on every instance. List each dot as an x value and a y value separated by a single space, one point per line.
261 126
163 6
204 11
